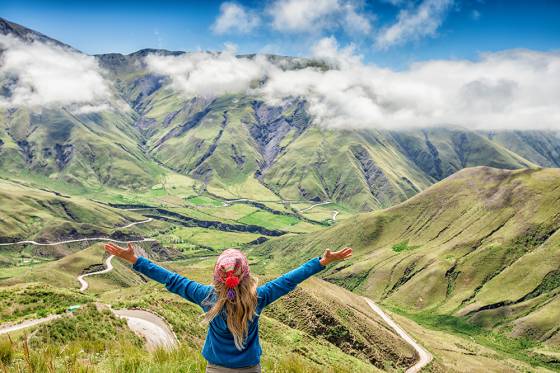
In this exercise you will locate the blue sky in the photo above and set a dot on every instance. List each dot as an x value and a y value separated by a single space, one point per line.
390 33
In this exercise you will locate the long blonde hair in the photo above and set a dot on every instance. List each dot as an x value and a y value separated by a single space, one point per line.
239 310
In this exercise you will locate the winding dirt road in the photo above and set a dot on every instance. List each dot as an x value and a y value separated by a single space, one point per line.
315 205
107 239
149 326
335 213
108 268
425 356
27 324
152 328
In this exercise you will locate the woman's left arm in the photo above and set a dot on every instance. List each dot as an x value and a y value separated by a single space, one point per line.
282 285
175 283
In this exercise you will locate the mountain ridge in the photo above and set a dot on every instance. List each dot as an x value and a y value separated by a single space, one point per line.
240 142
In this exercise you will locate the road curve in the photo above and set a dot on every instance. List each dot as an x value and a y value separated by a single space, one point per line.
27 324
151 327
315 205
334 214
30 242
425 356
136 223
147 325
108 268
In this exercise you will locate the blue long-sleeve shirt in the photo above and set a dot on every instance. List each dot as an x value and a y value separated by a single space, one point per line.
219 347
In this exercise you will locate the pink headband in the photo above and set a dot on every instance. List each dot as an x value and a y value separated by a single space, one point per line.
226 265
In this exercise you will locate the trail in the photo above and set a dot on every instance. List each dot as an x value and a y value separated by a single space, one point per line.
31 242
108 268
425 356
334 214
27 324
136 223
145 324
315 205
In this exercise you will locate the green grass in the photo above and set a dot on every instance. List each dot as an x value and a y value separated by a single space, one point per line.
488 251
206 238
36 300
402 246
204 201
269 220
517 348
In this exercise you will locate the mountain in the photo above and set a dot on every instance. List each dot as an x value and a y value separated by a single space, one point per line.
241 144
26 34
483 246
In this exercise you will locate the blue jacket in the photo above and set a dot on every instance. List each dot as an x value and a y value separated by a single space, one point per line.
219 348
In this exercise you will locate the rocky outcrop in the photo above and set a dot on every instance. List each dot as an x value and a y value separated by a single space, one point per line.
378 183
272 125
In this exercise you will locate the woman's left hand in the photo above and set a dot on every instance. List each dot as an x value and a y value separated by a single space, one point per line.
329 256
125 253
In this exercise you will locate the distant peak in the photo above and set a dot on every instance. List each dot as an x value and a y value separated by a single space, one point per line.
27 34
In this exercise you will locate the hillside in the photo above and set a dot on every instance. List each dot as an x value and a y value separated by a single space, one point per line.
30 213
318 327
482 245
238 145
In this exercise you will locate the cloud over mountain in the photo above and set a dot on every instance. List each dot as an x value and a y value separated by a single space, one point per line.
42 74
513 89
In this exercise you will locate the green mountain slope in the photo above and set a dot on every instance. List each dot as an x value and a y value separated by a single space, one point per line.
483 245
239 146
27 213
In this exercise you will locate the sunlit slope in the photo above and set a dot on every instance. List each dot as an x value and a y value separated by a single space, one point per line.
241 145
319 327
30 213
87 150
539 147
483 243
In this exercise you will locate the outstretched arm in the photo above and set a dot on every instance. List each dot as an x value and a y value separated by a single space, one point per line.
281 286
175 283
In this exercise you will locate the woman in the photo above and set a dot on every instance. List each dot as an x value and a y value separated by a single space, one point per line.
232 304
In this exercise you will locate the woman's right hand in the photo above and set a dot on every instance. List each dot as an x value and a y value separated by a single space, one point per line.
125 253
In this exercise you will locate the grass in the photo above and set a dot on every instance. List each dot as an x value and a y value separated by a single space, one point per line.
206 238
403 246
518 348
269 220
204 201
36 300
489 251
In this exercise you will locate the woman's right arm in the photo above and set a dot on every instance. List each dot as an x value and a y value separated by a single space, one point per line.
175 283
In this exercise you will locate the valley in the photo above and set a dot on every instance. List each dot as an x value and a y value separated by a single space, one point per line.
455 231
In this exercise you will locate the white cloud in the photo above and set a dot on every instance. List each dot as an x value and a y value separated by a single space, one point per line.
515 89
356 22
236 18
314 16
414 24
209 74
301 15
45 75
